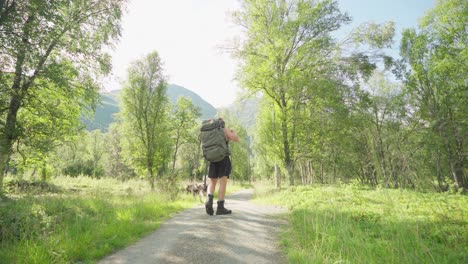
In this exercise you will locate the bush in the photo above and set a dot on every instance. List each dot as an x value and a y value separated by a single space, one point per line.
30 187
85 168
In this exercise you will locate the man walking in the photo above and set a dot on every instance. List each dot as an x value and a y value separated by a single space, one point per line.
220 171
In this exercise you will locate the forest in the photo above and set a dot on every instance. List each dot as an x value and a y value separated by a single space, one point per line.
331 111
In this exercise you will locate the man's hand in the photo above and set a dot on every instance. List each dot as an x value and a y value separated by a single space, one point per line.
231 135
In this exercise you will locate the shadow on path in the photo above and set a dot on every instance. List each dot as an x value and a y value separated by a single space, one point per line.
249 235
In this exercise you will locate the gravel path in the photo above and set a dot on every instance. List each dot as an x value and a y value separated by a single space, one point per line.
249 235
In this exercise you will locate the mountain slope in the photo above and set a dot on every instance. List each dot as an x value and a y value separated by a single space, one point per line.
244 111
175 91
109 106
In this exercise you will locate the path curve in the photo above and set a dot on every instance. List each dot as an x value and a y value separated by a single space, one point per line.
249 235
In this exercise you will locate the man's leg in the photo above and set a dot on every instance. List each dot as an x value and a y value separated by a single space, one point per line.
222 187
221 193
209 201
212 186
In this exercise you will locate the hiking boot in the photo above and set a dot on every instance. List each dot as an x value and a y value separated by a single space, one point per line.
209 205
221 210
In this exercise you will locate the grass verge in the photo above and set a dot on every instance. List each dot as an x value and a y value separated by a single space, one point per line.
83 222
358 225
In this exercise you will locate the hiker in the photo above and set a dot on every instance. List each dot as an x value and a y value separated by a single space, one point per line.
218 170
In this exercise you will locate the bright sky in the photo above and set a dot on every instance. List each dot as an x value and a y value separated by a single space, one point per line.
187 34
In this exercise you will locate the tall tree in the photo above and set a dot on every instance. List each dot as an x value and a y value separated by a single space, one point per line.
51 45
437 56
290 57
145 116
288 44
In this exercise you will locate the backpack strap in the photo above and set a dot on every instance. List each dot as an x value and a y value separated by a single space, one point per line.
206 173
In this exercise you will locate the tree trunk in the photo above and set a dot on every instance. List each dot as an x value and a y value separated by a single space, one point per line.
310 176
303 173
456 167
321 171
290 172
174 157
459 160
150 174
288 162
5 150
277 177
9 133
382 158
440 179
394 173
44 171
334 171
8 137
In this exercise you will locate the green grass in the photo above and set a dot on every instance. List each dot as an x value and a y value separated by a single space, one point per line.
81 220
349 224
233 187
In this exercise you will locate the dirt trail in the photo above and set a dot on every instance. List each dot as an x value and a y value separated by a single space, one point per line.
249 235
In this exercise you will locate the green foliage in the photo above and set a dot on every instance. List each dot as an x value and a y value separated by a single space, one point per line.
114 160
438 58
52 54
375 35
30 187
352 224
92 154
288 45
309 83
240 151
83 156
328 113
184 127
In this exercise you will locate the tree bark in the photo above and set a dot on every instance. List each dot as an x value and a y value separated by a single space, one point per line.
149 167
454 160
381 152
459 159
286 148
303 173
321 171
334 170
277 178
310 177
8 137
174 157
151 177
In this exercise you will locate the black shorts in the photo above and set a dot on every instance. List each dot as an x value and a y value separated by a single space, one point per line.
220 168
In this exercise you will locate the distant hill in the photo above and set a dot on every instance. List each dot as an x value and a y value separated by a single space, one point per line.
245 111
174 92
109 106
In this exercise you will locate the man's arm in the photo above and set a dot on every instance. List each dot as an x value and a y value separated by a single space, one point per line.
231 135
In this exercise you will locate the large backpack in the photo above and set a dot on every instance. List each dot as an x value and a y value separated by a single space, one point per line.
213 140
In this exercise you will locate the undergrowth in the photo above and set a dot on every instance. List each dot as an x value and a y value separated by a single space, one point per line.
351 224
72 220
